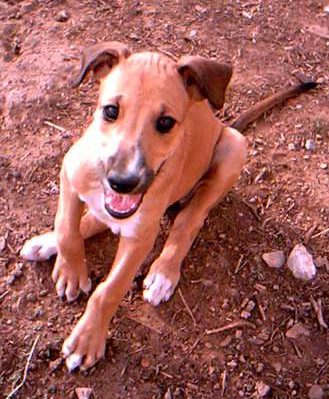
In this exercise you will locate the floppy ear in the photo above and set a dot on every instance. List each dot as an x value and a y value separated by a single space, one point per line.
204 78
100 58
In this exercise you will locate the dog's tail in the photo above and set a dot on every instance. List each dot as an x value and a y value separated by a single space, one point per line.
268 103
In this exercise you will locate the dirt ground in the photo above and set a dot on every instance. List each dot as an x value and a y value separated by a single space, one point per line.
281 200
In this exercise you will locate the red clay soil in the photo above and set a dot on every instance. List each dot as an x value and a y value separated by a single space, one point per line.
281 200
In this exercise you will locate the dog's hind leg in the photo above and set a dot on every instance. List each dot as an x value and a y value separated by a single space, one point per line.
44 246
228 161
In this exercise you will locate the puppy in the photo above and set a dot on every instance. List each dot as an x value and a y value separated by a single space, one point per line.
154 141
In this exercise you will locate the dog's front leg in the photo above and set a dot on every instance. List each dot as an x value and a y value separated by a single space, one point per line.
70 271
86 344
228 160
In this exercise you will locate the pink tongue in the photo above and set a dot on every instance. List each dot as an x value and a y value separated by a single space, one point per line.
122 203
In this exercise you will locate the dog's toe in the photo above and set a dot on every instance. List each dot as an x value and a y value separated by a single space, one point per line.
158 288
73 361
40 247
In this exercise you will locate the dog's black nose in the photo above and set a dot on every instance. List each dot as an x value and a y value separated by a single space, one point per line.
123 184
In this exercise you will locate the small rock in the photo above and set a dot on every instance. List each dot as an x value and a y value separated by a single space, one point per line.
291 147
310 145
323 166
300 262
10 280
315 392
326 9
62 16
2 244
226 342
54 365
275 259
245 315
259 367
83 393
199 9
297 330
145 362
262 389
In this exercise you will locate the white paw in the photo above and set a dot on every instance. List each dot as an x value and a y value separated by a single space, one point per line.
157 288
40 247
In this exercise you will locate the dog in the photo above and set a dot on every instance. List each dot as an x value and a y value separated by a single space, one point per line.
154 141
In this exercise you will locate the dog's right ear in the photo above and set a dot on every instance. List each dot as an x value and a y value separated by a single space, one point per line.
100 58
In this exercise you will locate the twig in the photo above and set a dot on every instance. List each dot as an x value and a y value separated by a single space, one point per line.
51 124
223 381
236 324
189 311
4 294
239 265
260 308
325 231
317 306
26 369
309 234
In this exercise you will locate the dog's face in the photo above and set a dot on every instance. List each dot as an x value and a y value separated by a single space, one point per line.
139 117
139 120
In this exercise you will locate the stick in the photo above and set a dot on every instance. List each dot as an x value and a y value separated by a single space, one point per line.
317 306
223 381
189 311
51 124
321 233
236 324
26 369
4 294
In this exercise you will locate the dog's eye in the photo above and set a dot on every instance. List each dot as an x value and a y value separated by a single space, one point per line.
164 124
110 112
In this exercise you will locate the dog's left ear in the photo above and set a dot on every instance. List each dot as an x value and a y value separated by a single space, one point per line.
204 78
100 58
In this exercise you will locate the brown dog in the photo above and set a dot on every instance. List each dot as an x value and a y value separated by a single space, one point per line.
153 141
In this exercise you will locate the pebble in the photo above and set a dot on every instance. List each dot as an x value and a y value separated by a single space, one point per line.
310 145
259 367
193 33
326 9
315 392
62 16
300 262
2 244
323 166
291 147
83 393
262 389
297 330
275 259
226 342
245 315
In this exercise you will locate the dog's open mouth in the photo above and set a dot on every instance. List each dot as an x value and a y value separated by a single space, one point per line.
121 206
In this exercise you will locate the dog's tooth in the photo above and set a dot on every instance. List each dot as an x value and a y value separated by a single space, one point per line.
73 361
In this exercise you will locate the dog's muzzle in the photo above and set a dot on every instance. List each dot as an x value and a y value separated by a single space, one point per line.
126 193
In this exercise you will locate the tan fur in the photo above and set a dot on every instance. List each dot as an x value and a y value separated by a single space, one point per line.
198 156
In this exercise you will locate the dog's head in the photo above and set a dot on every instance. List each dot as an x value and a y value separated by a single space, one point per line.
139 120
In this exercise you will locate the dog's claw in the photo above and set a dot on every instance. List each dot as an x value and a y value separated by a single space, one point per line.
39 248
157 288
73 361
86 287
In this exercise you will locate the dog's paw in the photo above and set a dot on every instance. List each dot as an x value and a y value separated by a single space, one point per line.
86 344
158 288
70 279
40 247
